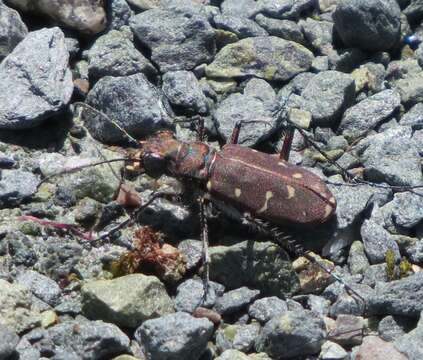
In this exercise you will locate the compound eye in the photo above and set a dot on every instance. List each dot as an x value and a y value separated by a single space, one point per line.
154 165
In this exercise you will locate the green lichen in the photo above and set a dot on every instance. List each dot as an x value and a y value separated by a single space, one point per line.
230 332
394 271
404 268
390 265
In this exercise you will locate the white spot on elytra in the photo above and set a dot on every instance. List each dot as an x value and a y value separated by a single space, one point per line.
209 185
237 192
269 195
332 200
328 211
291 191
297 176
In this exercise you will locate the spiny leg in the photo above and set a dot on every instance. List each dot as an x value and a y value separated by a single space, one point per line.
289 243
205 250
135 214
234 138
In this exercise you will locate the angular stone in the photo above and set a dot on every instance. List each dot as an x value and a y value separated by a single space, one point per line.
130 101
12 30
86 16
369 113
391 156
372 25
188 41
243 263
174 337
235 300
37 71
266 57
183 90
327 95
242 27
114 54
400 297
376 349
16 186
292 334
145 298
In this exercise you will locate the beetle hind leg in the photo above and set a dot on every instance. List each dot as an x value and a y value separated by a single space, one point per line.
205 250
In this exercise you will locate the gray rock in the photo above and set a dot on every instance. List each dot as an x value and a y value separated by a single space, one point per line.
332 351
414 11
15 308
242 263
189 39
413 117
254 107
238 337
318 305
145 298
86 16
392 157
369 113
16 186
190 295
346 60
400 297
376 348
266 308
350 304
285 9
118 13
41 286
285 29
295 333
26 351
135 105
320 64
8 342
376 239
235 300
267 57
318 34
390 328
242 27
12 30
241 8
375 274
357 260
353 201
92 340
173 337
114 54
233 354
406 76
327 95
347 331
192 250
37 70
183 90
96 182
407 210
369 25
408 343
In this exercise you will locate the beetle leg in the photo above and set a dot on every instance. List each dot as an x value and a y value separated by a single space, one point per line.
287 142
136 213
234 138
205 241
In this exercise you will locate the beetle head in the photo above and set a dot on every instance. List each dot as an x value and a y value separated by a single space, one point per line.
157 153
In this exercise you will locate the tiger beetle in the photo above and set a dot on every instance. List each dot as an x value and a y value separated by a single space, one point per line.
263 189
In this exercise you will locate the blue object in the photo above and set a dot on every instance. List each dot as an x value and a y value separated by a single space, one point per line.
413 40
